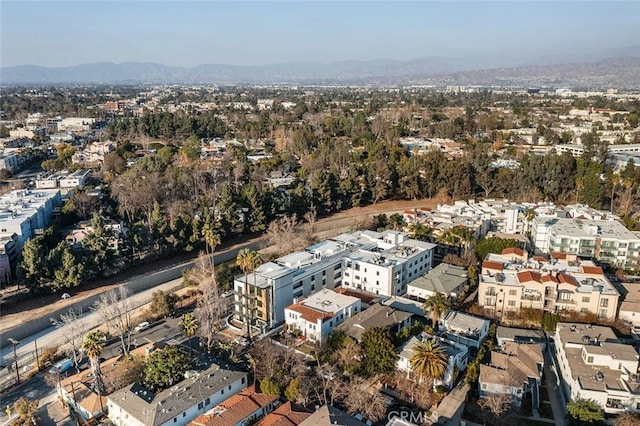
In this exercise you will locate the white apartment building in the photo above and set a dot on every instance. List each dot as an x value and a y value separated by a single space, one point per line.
630 308
608 241
319 314
93 152
388 266
65 180
511 281
75 124
23 212
273 286
457 357
463 328
594 365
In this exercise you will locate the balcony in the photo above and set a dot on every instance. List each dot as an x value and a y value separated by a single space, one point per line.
490 293
550 295
534 297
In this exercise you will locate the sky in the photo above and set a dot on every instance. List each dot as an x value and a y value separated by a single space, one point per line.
188 33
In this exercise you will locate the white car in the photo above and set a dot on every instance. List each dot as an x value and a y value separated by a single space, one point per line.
65 296
142 326
227 293
241 341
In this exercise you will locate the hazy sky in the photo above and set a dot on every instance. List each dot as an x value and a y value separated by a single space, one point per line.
186 33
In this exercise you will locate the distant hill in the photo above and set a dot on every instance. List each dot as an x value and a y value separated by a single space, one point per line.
621 72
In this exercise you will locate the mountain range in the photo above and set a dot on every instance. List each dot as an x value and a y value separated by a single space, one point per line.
619 71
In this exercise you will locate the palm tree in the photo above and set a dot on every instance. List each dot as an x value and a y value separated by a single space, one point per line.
189 327
529 214
211 239
419 231
92 346
248 260
437 305
429 360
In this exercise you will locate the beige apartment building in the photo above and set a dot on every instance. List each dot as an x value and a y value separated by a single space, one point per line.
511 281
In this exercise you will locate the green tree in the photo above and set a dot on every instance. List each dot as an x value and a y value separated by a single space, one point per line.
493 245
429 360
165 367
256 218
98 244
583 412
292 391
379 351
436 305
188 326
71 273
160 228
191 148
162 303
92 346
34 262
419 231
27 410
269 386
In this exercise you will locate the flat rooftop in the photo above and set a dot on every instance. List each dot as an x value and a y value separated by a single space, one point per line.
327 300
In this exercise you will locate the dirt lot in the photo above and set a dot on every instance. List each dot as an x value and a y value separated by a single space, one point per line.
13 314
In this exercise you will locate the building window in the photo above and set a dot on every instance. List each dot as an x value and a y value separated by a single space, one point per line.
184 415
589 360
585 299
229 387
604 303
313 287
512 303
200 405
378 273
484 386
243 380
513 292
207 401
175 419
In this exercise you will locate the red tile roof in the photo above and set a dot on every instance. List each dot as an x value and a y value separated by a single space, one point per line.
310 314
557 255
548 277
490 264
566 278
540 259
235 409
513 250
593 270
284 415
409 212
528 276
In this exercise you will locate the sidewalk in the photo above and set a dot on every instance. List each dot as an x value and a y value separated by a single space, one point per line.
557 403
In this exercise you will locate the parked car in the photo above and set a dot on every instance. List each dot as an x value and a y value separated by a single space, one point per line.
241 341
227 293
65 296
142 326
61 366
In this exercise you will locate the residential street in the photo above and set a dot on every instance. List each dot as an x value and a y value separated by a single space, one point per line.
555 393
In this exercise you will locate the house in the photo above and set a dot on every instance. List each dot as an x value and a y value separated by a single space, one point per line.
241 409
457 357
520 335
84 228
448 280
328 415
319 314
387 267
563 282
514 372
464 328
135 405
377 315
630 308
284 415
594 365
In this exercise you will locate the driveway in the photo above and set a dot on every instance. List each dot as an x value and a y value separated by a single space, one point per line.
555 393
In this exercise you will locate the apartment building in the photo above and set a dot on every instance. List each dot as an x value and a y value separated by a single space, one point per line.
64 180
24 212
511 281
387 267
607 241
464 328
595 365
319 314
261 299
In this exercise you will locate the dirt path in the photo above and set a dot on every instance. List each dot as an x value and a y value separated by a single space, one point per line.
33 308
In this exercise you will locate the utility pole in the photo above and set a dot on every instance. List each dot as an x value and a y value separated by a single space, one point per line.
15 342
35 342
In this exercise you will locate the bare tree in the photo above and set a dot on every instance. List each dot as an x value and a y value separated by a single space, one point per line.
329 385
283 235
310 219
114 307
75 328
363 398
211 306
498 406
